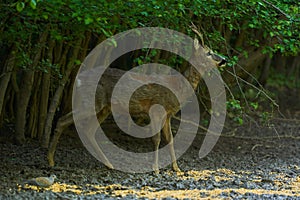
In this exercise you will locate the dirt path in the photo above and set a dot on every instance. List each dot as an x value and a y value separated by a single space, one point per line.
267 167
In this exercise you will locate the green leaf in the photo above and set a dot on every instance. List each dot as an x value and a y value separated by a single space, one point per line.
254 105
105 32
88 21
33 4
145 13
20 6
240 120
113 42
45 16
251 25
77 62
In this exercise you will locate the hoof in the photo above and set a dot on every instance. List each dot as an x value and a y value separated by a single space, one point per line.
109 165
176 168
51 163
50 160
155 169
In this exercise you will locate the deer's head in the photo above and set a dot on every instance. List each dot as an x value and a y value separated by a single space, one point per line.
217 59
204 59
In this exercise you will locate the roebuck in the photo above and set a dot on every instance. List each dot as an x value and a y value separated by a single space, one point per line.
140 104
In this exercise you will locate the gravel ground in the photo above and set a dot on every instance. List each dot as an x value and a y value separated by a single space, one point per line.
265 167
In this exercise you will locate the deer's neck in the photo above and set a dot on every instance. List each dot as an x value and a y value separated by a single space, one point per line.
193 76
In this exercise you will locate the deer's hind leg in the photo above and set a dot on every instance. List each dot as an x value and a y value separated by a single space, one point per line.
66 121
167 134
90 140
61 125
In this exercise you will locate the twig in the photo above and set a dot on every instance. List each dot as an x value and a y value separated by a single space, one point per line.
285 119
190 122
240 88
231 134
276 8
255 87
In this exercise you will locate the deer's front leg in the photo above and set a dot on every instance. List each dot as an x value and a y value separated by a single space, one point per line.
167 133
156 142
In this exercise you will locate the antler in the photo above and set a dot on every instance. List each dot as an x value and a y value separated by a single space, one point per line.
194 28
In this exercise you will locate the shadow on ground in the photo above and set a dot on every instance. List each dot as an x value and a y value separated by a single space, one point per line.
247 163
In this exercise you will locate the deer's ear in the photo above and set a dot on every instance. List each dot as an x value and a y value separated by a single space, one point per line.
196 44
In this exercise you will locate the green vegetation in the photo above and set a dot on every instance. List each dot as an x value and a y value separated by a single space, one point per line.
43 43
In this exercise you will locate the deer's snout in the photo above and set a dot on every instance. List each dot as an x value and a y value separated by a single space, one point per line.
217 58
222 62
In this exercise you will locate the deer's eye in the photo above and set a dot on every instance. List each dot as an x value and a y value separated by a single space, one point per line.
208 53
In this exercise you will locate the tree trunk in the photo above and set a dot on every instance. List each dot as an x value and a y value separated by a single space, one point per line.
45 89
265 71
24 94
57 96
33 118
67 97
22 103
5 76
